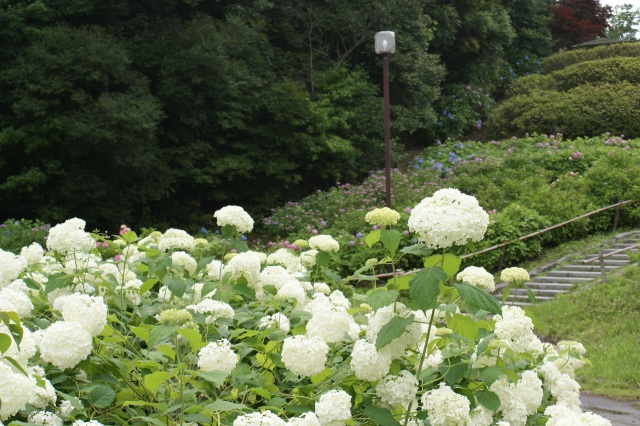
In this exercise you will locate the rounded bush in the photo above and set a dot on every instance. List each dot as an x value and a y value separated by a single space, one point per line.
562 60
612 70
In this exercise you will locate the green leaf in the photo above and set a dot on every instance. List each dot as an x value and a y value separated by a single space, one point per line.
57 281
147 285
130 237
372 237
417 249
392 330
227 231
321 376
379 298
222 405
215 377
477 298
424 287
16 364
490 374
176 285
484 343
152 420
141 333
505 293
449 262
323 258
153 381
454 369
464 326
381 416
100 396
193 337
391 239
531 295
160 334
488 400
5 342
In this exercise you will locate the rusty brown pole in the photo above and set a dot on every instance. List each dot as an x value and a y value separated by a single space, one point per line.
387 129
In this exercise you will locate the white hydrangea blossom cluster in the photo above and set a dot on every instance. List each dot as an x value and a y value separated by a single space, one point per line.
324 243
246 264
287 259
176 239
15 298
516 328
367 363
234 216
88 311
382 316
10 267
64 344
333 407
44 418
514 275
33 254
303 355
265 418
330 321
184 260
400 390
448 218
477 276
277 320
212 310
445 407
563 416
70 237
382 216
519 400
217 356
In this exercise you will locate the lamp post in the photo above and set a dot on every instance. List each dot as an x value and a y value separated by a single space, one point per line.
385 46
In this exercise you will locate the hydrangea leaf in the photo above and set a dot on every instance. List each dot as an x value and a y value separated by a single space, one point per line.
392 330
425 287
400 283
372 237
477 298
57 281
417 249
490 374
449 262
5 342
154 380
488 400
130 237
100 396
380 298
381 416
160 334
222 405
193 337
453 369
227 231
176 286
391 239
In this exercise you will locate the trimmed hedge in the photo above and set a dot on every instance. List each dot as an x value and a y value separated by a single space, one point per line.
585 110
562 60
612 70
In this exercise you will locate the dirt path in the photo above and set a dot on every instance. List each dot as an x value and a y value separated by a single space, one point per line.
620 413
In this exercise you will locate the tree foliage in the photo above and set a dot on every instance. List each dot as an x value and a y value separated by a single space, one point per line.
624 22
578 21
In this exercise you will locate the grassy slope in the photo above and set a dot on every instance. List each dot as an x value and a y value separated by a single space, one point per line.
606 319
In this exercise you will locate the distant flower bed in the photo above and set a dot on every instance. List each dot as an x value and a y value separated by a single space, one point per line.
173 329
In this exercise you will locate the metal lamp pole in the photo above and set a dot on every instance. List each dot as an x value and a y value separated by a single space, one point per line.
385 42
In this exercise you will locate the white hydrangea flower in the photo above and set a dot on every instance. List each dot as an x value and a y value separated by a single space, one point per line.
308 258
446 407
562 416
515 274
89 423
274 275
176 239
333 407
45 396
131 290
27 347
234 216
381 317
213 309
185 260
69 237
44 418
324 243
331 324
197 292
217 356
382 216
367 363
307 419
16 301
277 320
64 344
16 390
400 390
11 266
448 218
304 356
322 288
339 299
214 270
477 276
515 328
292 290
480 416
88 311
33 254
266 418
65 408
246 264
287 259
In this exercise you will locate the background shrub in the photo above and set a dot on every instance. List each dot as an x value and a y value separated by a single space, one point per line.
611 70
562 60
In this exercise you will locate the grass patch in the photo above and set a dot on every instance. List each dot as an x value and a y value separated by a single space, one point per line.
605 318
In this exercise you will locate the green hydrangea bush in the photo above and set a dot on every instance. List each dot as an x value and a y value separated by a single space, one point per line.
165 333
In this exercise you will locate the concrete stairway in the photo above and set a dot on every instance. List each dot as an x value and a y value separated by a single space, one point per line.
564 274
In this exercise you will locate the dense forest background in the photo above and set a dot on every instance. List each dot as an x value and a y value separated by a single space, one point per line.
157 113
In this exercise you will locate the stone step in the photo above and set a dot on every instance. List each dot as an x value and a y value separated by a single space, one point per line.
570 279
579 274
589 267
533 285
550 292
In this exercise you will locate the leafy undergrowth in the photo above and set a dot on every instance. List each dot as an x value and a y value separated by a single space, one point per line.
605 318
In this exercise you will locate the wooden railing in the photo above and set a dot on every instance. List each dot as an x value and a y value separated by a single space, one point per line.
504 245
601 256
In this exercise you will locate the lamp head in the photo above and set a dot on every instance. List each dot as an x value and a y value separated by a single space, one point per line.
385 42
